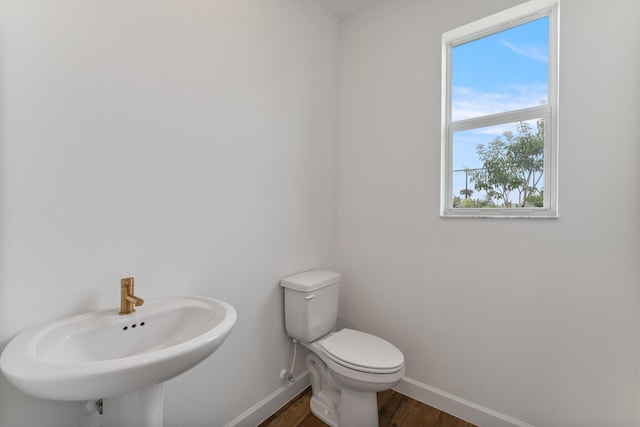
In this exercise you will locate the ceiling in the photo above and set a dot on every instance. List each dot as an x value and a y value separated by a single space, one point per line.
344 8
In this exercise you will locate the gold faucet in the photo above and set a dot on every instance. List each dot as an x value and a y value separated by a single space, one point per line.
128 300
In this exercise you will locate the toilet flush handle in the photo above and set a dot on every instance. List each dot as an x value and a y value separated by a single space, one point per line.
310 297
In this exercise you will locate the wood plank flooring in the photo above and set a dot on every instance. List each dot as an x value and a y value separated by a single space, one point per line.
395 410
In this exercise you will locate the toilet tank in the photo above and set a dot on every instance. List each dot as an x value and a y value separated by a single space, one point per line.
311 303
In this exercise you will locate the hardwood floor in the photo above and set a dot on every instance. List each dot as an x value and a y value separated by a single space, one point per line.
395 410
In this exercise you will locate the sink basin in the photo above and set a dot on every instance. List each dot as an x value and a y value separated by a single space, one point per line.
102 354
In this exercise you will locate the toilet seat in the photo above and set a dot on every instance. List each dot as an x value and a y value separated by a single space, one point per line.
362 352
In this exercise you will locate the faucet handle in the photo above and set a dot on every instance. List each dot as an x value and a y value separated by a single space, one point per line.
128 301
127 282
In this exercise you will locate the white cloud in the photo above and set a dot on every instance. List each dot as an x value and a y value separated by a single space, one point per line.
532 52
468 103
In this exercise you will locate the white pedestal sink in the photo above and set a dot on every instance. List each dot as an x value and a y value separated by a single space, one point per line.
122 359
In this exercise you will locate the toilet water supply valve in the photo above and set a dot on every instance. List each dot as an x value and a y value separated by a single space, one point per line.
284 375
94 406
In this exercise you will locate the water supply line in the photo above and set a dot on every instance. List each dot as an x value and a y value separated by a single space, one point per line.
289 375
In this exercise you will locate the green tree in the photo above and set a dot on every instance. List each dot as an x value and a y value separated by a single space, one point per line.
512 163
466 192
459 202
536 200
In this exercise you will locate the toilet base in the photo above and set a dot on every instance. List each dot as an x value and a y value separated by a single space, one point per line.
361 409
339 406
326 393
358 408
322 411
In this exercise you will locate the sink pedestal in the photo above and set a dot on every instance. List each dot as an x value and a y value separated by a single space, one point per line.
142 408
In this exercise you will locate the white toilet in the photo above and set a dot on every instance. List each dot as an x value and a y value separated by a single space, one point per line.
347 367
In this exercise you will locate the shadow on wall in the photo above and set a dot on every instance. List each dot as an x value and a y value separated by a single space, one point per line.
17 408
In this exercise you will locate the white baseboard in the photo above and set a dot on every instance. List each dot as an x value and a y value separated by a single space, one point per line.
270 404
457 406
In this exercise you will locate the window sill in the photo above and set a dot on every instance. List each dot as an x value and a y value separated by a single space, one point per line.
513 213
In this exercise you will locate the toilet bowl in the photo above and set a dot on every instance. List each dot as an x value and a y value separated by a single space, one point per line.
347 367
357 365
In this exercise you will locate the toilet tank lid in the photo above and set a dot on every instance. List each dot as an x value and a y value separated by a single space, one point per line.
310 280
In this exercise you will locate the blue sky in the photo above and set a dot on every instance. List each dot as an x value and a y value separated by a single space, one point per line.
501 72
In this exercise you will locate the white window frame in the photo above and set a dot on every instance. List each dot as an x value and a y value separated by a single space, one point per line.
501 21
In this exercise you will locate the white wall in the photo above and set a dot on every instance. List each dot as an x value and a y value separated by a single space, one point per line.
191 145
535 319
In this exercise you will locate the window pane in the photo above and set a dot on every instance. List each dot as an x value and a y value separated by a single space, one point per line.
501 72
499 166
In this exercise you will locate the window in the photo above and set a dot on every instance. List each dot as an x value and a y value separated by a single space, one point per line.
499 115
